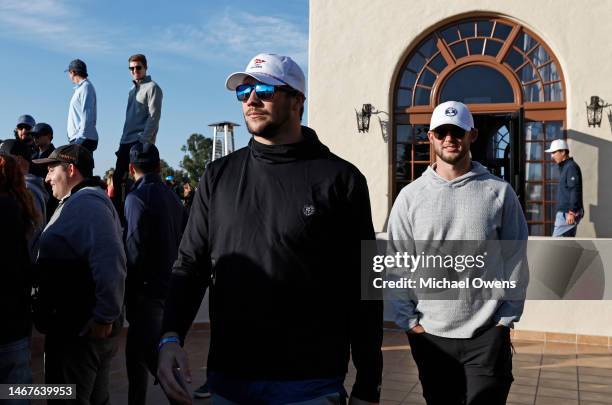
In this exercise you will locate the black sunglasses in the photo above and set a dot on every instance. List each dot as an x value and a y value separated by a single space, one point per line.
264 92
22 126
455 132
137 67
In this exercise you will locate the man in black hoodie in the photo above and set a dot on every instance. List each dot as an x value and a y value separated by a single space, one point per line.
275 231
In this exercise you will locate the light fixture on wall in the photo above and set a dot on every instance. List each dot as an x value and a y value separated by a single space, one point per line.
363 117
594 111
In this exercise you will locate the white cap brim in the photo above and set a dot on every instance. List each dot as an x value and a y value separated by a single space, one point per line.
457 123
235 79
552 150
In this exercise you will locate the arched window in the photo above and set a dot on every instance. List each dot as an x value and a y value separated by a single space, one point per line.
494 39
500 69
477 84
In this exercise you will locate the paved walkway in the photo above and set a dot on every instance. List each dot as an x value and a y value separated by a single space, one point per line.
551 373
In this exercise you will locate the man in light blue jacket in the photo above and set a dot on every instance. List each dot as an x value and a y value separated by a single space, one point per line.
82 112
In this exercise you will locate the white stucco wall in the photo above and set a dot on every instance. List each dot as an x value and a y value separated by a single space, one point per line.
357 46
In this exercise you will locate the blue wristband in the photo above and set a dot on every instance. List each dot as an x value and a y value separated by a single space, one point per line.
169 339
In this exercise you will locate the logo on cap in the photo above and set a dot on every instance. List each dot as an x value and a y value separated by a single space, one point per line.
308 210
257 63
450 112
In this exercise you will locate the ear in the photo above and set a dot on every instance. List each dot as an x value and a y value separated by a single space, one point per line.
473 135
298 102
71 170
132 170
430 136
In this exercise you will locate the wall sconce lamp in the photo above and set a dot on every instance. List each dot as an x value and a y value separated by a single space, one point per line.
363 117
594 111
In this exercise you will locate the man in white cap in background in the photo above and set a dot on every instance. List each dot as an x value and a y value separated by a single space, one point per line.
569 190
462 346
275 232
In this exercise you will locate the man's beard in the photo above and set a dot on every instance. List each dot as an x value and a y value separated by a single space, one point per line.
270 130
455 158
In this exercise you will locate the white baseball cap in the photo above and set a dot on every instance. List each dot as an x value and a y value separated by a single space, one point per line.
452 113
269 68
557 144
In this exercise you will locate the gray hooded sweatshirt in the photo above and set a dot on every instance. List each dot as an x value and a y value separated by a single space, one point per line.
475 206
85 226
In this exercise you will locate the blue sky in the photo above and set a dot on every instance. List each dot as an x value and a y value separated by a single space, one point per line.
191 47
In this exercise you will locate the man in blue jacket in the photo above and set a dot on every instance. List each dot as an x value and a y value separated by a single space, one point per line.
569 192
155 221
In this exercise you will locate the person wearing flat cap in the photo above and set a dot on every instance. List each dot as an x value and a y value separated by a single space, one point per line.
264 232
570 209
80 271
82 111
155 220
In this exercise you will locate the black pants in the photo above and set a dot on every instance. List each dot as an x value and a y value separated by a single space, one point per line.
145 318
82 361
120 177
475 371
89 144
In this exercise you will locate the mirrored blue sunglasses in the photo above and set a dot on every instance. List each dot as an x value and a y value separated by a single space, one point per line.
264 92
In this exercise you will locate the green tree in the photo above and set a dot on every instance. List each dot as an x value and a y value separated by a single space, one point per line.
198 152
167 170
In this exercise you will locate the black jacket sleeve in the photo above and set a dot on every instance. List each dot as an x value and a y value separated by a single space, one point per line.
366 316
192 269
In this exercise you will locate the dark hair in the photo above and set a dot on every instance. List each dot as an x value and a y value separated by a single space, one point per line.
80 73
151 167
12 182
138 58
293 92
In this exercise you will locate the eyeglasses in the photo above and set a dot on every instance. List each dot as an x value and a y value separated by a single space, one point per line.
264 92
21 126
455 132
137 67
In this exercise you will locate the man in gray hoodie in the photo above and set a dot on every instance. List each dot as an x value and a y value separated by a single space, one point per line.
461 347
141 122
